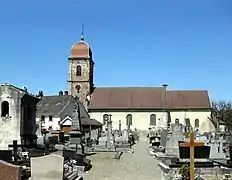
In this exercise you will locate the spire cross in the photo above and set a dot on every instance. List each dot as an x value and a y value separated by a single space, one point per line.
82 33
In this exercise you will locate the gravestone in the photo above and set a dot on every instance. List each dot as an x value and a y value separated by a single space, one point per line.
125 135
163 138
175 135
9 171
110 138
48 167
94 134
120 127
215 152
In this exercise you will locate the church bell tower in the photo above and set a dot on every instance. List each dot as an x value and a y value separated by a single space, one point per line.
80 71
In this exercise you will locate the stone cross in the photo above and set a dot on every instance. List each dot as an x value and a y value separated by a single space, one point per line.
120 127
191 145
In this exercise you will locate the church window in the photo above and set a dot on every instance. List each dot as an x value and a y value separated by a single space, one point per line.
78 88
78 71
197 123
187 125
50 118
153 120
129 119
42 118
105 119
5 109
177 121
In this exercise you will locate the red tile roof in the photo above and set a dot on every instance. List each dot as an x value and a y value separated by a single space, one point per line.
147 98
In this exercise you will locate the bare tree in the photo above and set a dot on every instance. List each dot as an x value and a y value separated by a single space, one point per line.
222 113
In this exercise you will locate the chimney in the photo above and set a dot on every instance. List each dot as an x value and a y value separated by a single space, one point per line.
65 92
60 93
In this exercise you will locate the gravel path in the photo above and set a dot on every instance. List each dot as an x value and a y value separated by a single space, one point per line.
131 166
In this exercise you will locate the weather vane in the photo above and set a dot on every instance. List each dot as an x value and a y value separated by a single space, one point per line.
82 32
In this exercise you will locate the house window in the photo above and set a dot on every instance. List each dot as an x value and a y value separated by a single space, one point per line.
78 71
153 120
50 118
42 118
129 119
105 119
177 121
5 109
197 123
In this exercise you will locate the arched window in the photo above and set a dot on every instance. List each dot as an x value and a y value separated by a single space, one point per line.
153 120
187 125
78 71
177 121
5 109
78 88
105 119
129 119
187 122
197 123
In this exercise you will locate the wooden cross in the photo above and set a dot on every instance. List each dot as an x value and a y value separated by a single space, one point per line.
191 145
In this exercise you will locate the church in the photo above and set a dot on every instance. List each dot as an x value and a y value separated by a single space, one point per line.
141 107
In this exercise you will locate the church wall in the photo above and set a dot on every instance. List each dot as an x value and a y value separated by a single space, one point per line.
204 123
10 125
141 120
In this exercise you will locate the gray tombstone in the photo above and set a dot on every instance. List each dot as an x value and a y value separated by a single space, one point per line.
94 134
172 145
102 141
163 138
120 126
48 167
215 152
125 135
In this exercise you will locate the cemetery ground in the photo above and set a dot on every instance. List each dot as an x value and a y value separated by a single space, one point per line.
131 166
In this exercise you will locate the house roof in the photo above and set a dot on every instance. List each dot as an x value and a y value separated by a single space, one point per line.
92 122
147 98
52 105
84 121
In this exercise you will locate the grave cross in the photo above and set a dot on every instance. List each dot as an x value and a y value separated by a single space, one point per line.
191 146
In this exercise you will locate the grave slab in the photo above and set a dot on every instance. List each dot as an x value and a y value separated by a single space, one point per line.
48 167
9 171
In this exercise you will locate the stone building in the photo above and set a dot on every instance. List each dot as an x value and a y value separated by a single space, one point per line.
142 106
18 111
56 112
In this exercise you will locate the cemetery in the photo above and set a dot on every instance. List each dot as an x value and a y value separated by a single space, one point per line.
30 152
181 146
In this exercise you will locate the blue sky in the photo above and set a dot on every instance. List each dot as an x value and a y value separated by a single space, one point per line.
186 44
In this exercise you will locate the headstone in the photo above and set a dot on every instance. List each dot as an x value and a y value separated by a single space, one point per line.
214 152
110 138
48 167
102 141
120 127
94 134
125 135
9 171
163 138
172 145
